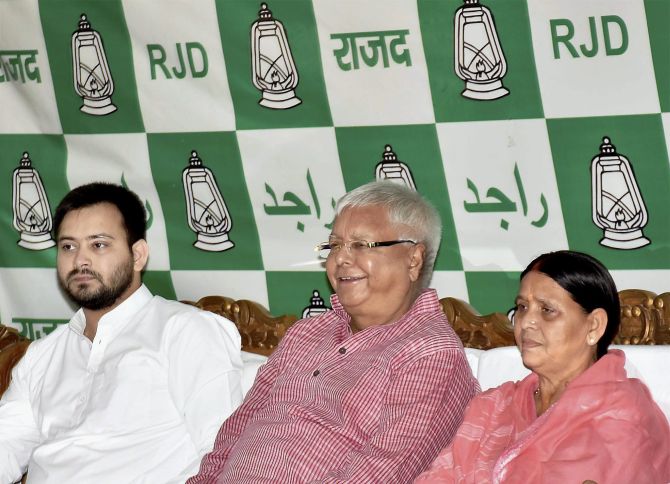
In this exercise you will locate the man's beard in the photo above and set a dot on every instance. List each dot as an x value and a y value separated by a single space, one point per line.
105 295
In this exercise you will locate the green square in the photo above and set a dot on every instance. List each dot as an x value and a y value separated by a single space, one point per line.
297 16
658 19
48 157
60 19
513 27
574 143
492 292
159 283
362 148
219 152
290 292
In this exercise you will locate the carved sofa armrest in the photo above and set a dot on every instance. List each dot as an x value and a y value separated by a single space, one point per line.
477 331
645 318
12 348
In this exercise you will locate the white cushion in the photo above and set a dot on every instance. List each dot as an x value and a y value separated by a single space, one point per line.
499 365
251 363
648 363
473 356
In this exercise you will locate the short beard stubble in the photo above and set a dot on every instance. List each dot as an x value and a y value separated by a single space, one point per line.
106 295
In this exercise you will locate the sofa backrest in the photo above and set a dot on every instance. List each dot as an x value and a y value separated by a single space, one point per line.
645 319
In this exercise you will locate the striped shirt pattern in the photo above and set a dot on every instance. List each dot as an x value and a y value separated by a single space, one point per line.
333 406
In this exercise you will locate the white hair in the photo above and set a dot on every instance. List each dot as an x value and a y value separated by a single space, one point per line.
416 217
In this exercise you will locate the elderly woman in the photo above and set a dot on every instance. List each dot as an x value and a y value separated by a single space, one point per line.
372 390
577 417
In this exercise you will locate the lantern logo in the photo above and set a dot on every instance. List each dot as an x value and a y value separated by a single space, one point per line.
273 71
316 306
617 205
479 59
390 168
92 78
31 211
206 210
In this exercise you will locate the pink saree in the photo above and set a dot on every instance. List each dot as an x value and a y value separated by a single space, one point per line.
604 428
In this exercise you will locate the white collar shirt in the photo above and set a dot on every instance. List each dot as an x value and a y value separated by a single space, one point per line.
141 403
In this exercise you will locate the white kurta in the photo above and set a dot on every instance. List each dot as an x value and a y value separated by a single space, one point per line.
141 403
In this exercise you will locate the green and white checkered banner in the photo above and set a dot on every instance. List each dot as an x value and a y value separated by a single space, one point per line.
532 125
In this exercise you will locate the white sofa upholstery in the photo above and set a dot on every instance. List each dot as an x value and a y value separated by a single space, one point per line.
496 366
252 362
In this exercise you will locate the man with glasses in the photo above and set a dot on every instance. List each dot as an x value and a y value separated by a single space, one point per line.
367 392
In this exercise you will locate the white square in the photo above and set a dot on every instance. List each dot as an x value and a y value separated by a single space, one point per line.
193 285
450 284
28 106
182 43
294 179
649 280
389 92
509 211
619 83
32 293
121 158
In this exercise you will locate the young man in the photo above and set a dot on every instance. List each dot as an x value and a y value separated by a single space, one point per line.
134 387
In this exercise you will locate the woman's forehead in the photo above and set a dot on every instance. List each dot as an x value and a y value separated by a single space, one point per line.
538 285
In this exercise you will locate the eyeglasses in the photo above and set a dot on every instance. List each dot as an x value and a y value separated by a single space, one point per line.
355 246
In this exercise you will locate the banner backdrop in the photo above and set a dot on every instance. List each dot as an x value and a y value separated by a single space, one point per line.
531 125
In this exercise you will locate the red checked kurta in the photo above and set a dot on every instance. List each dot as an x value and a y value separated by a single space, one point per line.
332 406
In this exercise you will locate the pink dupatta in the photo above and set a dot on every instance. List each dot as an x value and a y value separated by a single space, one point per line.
605 428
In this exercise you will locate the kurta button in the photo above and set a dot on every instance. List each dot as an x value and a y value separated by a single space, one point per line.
316 373
342 350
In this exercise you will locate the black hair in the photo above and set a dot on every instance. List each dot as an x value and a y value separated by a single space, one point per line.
127 202
589 284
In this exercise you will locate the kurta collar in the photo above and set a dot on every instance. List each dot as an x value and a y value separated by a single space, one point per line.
115 319
426 302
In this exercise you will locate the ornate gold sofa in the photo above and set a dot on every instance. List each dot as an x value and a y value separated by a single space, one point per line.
12 348
645 321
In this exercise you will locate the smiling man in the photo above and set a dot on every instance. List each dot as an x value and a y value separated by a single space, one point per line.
134 387
367 392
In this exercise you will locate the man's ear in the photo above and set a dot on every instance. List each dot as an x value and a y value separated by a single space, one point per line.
140 251
416 261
